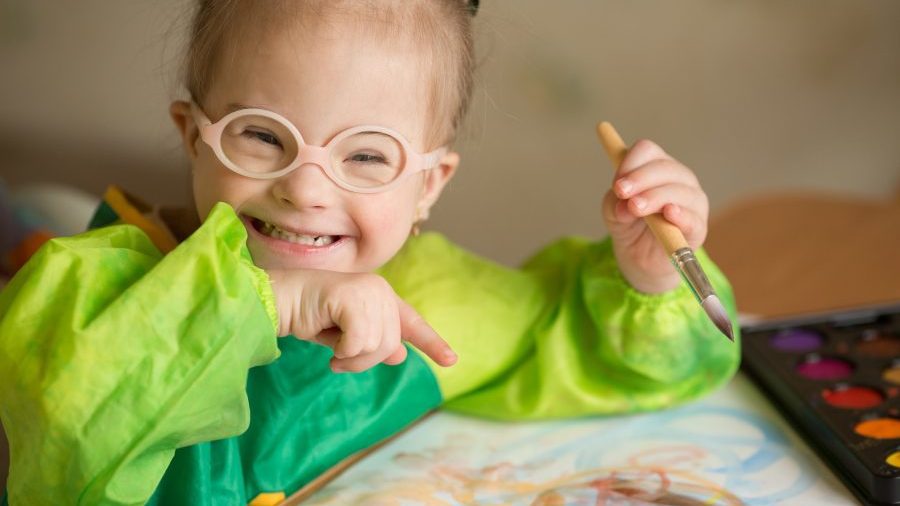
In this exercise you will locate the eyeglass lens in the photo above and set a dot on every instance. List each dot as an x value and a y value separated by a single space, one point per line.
263 145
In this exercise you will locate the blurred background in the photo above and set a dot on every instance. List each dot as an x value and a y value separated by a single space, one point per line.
757 96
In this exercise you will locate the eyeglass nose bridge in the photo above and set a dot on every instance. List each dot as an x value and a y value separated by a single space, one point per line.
311 155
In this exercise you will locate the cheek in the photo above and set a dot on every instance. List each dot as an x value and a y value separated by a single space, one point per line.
389 222
385 225
214 183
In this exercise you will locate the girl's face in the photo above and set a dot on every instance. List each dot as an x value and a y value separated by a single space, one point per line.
324 82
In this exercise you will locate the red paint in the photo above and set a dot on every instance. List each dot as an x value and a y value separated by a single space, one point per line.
853 397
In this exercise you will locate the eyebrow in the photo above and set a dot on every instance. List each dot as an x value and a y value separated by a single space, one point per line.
235 106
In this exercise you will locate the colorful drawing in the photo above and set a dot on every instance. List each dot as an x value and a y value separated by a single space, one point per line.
729 449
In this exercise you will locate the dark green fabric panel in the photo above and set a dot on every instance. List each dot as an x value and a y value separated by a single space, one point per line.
303 420
103 216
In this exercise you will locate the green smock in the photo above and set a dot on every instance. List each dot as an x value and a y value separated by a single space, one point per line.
130 376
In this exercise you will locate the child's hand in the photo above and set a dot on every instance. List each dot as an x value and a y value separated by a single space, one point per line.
650 181
358 316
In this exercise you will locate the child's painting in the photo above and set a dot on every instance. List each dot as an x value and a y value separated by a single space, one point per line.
728 449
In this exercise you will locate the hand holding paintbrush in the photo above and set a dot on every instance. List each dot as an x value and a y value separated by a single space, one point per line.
656 213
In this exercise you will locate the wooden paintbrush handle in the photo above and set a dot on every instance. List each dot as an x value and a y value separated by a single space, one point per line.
666 233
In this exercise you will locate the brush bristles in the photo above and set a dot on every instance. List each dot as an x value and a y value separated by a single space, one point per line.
716 312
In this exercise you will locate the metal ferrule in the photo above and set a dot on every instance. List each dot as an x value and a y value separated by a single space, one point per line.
690 270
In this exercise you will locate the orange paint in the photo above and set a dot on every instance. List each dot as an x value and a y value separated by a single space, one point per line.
879 428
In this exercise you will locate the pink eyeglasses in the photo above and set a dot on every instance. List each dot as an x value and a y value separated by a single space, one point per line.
260 144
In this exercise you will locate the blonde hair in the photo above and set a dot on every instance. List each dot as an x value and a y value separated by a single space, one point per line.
441 29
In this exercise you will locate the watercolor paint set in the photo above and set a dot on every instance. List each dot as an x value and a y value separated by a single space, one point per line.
836 378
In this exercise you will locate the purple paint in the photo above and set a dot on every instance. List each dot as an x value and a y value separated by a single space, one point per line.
825 368
796 340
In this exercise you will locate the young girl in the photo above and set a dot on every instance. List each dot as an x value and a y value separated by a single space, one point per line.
141 361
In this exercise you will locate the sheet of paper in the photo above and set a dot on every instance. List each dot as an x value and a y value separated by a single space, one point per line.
727 449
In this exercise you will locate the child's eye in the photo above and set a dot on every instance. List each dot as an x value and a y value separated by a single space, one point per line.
367 158
264 137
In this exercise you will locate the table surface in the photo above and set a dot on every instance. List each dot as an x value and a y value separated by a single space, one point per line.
800 253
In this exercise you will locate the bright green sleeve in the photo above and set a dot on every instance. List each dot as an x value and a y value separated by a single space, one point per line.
113 355
563 336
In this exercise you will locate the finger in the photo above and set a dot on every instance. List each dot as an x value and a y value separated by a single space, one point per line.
362 331
691 225
416 330
349 345
391 344
608 207
328 337
366 356
389 350
641 153
390 353
624 214
355 333
358 363
376 329
397 357
652 174
652 201
615 210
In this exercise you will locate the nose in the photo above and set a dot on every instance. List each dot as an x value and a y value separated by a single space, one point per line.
306 187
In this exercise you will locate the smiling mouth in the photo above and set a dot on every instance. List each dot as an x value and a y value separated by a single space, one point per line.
274 232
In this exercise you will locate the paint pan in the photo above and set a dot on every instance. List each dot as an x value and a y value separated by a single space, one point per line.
836 378
891 374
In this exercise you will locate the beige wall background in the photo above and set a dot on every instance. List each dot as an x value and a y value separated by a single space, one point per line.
757 96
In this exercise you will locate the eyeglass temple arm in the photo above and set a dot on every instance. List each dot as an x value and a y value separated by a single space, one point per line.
203 122
432 159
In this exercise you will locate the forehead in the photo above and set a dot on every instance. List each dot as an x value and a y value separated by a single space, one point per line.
326 77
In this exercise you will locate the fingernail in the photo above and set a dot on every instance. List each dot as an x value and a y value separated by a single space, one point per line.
337 368
639 202
624 187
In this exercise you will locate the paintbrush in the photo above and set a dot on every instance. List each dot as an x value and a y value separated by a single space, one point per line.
673 241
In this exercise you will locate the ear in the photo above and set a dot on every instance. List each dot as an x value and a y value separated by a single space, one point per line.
435 181
184 121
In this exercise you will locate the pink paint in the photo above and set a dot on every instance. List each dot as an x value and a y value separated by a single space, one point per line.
825 368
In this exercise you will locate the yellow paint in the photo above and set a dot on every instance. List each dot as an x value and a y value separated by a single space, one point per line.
267 499
893 459
892 375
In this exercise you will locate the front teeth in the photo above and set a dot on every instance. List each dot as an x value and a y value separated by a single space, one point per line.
308 240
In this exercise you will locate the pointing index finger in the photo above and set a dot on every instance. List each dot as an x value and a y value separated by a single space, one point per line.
415 330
